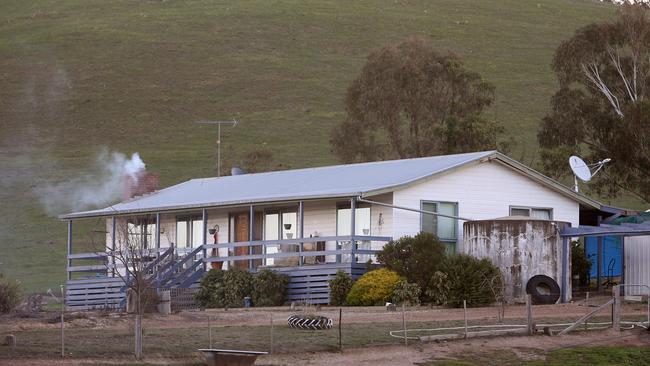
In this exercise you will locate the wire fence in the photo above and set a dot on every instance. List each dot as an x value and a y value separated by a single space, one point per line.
181 334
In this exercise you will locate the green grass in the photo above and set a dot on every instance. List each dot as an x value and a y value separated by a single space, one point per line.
602 355
178 345
133 75
182 343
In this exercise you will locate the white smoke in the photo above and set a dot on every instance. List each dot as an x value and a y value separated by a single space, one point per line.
102 186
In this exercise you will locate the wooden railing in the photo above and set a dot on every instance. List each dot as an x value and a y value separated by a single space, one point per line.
172 267
300 253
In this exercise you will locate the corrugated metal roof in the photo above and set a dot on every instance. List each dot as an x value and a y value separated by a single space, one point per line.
329 181
364 179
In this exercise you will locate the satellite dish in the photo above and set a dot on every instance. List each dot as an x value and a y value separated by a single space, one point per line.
580 168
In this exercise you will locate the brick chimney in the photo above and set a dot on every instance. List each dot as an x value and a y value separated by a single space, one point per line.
139 184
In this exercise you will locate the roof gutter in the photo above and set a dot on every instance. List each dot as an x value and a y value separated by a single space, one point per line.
541 178
116 212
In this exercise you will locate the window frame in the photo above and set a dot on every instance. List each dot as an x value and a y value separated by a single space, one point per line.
347 205
140 223
189 229
456 208
280 211
530 210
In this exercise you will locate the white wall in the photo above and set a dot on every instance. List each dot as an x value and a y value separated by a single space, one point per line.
637 263
482 191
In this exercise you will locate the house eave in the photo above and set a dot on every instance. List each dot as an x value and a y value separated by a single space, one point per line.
213 205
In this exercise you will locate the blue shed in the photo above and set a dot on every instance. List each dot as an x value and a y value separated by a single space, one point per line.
612 260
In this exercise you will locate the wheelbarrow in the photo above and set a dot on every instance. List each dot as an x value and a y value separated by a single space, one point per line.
230 357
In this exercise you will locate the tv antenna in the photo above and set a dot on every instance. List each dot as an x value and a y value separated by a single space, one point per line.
584 171
218 123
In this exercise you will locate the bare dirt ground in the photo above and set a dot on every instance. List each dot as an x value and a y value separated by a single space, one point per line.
525 348
351 315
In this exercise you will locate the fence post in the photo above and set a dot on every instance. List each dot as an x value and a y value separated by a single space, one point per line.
616 307
210 331
271 334
586 309
62 322
529 315
465 316
406 342
340 322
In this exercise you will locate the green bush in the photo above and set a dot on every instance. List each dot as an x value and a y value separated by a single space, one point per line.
269 288
373 288
211 290
11 294
237 284
580 264
416 258
225 289
405 292
340 286
464 277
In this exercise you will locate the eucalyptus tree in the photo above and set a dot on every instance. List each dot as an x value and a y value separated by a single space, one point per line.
411 100
601 109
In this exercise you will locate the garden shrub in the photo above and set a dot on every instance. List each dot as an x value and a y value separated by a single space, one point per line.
438 290
340 286
269 288
580 264
225 289
237 284
405 292
416 258
464 277
373 288
211 291
11 294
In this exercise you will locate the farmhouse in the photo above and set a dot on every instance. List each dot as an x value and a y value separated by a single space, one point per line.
309 223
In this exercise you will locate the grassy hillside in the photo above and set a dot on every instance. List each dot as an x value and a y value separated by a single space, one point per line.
76 76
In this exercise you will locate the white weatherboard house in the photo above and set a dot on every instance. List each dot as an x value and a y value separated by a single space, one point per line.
311 222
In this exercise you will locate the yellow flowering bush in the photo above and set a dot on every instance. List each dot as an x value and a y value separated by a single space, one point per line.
373 288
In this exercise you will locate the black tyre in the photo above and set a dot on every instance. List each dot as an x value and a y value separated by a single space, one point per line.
543 289
309 322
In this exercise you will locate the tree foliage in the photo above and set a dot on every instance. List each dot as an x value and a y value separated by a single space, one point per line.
411 101
463 277
408 293
580 264
269 288
11 294
340 286
225 289
415 258
601 109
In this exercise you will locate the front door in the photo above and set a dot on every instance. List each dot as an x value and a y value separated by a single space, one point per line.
242 230
241 234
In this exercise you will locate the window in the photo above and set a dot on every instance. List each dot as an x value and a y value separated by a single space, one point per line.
141 232
189 232
443 227
344 228
361 221
281 224
536 213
